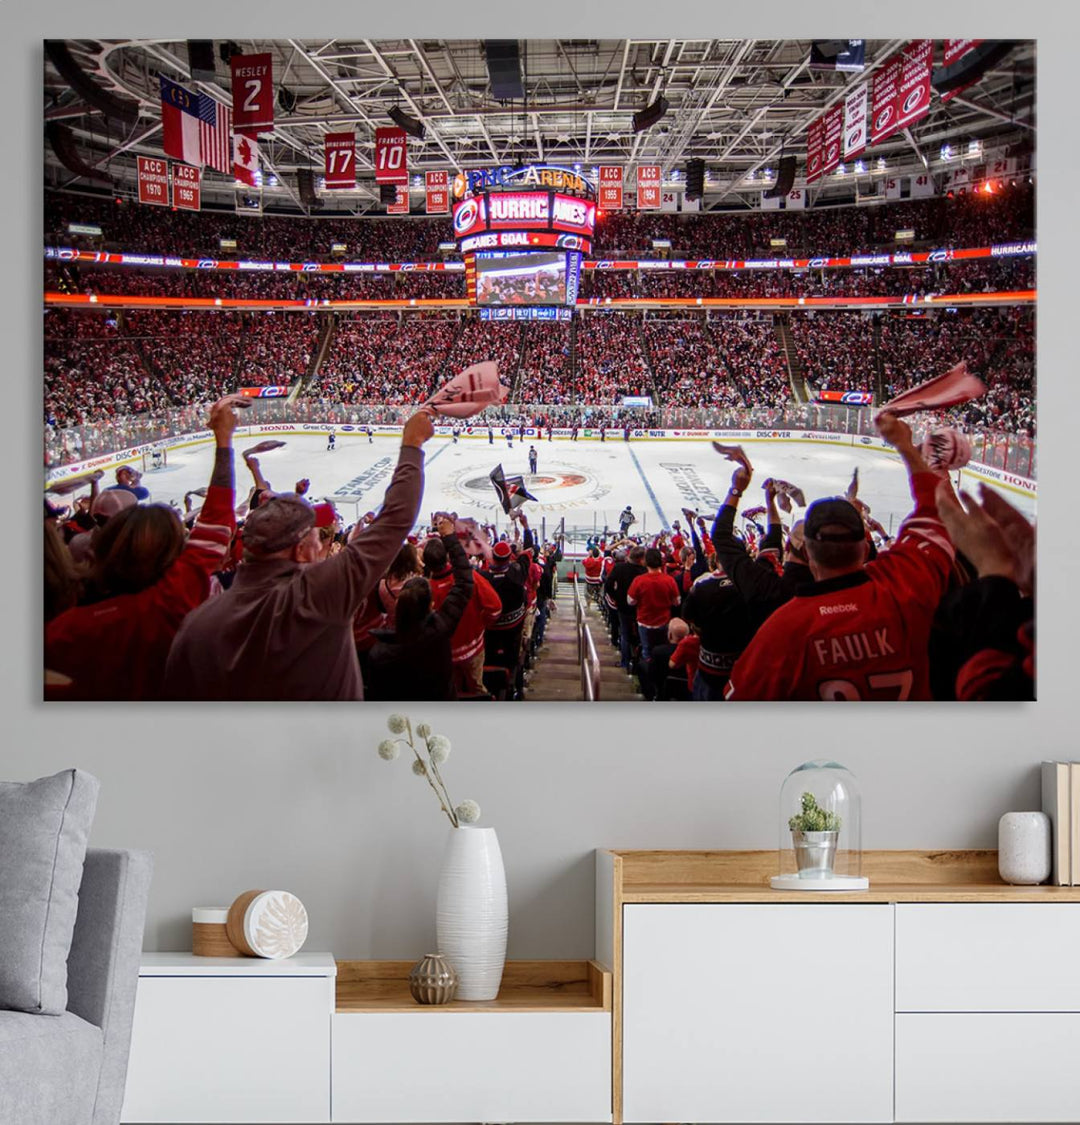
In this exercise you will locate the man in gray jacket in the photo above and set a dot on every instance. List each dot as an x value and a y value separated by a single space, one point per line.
283 630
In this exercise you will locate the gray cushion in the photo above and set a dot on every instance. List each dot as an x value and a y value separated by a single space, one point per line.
44 827
48 1069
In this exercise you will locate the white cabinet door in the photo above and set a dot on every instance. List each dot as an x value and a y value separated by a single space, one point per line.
984 1066
230 1049
758 1013
472 1066
988 957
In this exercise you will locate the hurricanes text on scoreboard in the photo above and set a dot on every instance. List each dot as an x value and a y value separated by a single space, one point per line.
523 232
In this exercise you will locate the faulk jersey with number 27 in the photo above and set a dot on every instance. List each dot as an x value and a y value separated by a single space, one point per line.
861 636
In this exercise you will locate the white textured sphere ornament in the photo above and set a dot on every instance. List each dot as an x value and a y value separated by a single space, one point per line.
471 912
946 449
272 924
1024 848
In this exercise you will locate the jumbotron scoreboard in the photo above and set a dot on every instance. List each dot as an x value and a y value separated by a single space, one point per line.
523 232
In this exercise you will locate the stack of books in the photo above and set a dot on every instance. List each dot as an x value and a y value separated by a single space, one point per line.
1061 803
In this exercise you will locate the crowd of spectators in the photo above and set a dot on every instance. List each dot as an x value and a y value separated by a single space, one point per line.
193 354
835 350
829 606
546 373
611 359
966 220
93 373
382 358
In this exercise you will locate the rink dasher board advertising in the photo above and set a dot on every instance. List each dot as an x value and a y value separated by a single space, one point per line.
1000 477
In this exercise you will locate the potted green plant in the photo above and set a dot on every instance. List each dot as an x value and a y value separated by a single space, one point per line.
814 835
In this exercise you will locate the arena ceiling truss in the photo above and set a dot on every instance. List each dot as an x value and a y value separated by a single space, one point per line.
737 104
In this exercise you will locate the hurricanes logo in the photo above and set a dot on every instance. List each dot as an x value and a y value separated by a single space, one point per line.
207 263
854 139
834 152
815 161
568 242
913 99
466 216
883 119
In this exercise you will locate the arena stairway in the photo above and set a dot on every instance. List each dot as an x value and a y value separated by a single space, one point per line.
556 673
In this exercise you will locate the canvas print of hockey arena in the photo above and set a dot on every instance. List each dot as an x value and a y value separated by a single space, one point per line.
504 370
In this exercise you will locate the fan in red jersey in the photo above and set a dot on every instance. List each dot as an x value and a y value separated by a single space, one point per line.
860 630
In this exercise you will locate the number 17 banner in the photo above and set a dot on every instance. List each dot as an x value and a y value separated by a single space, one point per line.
390 161
339 156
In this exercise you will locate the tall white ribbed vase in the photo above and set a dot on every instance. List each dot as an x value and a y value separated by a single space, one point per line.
470 913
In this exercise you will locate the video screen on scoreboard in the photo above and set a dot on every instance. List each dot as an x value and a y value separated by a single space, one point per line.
507 278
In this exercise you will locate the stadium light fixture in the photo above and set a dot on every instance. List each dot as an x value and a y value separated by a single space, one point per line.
841 169
946 152
777 243
905 235
860 167
881 163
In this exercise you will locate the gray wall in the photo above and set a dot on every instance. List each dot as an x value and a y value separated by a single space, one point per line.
230 798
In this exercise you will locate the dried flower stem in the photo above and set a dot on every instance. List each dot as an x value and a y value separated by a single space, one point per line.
444 798
434 766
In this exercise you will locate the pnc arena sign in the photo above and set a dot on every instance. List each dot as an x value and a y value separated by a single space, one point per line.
507 178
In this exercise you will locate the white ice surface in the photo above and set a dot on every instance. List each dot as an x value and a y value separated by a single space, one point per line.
587 482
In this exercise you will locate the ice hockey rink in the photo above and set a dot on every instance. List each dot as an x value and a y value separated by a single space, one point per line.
586 482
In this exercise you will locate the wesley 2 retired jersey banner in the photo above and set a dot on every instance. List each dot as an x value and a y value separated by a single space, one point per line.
648 187
339 159
186 187
391 166
153 180
609 191
253 93
437 193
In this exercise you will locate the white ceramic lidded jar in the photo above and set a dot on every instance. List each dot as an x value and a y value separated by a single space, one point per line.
1024 851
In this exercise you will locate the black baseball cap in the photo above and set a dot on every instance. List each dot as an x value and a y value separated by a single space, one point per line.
833 521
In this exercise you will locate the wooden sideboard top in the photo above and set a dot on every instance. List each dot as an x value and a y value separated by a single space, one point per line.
527 986
895 876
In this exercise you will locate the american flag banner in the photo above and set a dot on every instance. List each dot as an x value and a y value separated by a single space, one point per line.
215 128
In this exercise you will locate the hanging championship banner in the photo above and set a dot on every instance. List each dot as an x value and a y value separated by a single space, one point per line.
401 205
609 192
252 93
186 187
892 187
648 187
833 138
153 180
391 166
883 100
855 122
339 160
954 50
795 200
437 193
913 89
815 134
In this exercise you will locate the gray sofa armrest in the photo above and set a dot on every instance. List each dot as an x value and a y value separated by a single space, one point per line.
103 966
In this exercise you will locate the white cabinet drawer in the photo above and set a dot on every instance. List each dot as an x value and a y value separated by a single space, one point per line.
472 1066
757 1013
988 957
230 1049
1007 1066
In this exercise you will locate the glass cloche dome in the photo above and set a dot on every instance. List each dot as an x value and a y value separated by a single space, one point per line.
820 830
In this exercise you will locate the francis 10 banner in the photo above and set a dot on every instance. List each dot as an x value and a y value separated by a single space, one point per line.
391 165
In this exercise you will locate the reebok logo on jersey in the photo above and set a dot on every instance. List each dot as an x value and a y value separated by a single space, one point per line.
844 607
